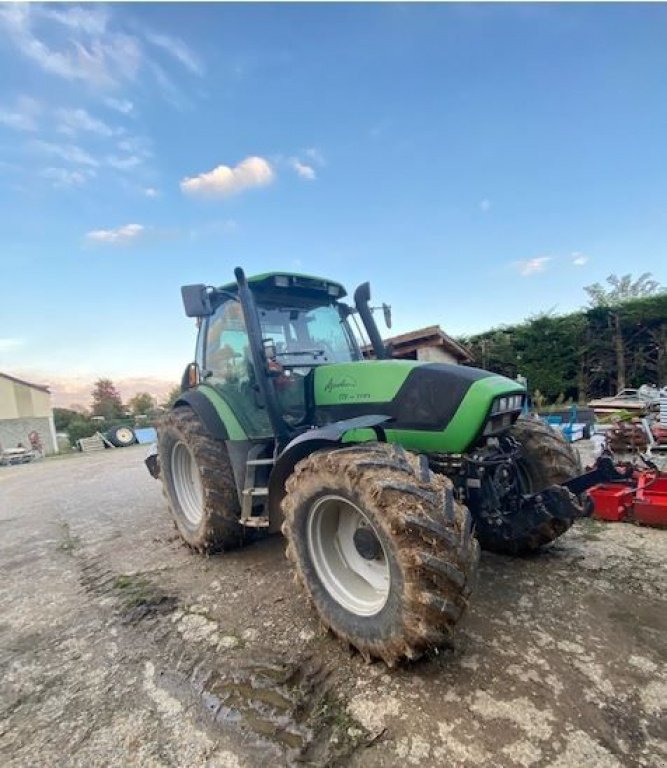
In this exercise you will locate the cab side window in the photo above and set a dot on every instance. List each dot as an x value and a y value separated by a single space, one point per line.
228 360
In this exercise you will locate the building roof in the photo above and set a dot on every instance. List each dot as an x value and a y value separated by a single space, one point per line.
431 336
41 387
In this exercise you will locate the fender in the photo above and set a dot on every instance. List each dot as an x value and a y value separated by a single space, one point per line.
306 443
206 411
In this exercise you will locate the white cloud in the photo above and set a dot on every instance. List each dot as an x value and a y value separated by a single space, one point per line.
9 343
71 153
532 266
170 91
83 44
302 170
118 236
314 154
88 51
64 178
214 228
485 205
22 116
223 180
124 163
178 49
151 192
579 259
72 121
92 21
100 61
136 150
124 106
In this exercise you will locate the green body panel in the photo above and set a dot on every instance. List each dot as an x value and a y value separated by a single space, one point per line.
232 425
461 431
370 381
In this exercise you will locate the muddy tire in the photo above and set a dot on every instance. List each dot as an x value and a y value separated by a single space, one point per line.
546 459
382 548
198 483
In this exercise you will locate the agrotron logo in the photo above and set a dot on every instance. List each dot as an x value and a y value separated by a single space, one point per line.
344 382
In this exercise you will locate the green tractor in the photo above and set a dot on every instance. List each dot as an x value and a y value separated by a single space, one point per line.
385 476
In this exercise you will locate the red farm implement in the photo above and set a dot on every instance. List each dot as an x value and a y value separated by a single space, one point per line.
640 496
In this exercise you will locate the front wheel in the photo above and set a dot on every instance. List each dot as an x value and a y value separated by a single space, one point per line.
381 546
545 458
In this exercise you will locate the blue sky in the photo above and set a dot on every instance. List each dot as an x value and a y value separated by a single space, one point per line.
478 163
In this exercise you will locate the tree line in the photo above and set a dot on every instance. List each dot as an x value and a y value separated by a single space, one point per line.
106 403
619 341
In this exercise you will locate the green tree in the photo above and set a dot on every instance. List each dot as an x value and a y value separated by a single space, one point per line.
106 400
621 290
141 404
62 418
172 397
79 427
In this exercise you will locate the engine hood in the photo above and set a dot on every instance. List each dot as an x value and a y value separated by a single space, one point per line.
436 407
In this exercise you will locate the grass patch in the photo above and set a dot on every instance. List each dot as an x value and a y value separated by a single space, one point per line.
134 590
345 734
138 597
592 529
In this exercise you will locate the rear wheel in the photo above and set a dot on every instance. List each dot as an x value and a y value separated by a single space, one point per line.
381 546
545 459
198 482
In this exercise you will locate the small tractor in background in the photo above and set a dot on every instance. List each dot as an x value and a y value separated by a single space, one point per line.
385 476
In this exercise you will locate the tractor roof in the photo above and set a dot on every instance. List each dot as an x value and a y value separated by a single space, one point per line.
292 282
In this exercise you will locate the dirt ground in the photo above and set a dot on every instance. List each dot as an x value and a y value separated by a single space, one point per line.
118 646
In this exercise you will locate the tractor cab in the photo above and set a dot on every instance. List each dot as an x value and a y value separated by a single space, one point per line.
302 325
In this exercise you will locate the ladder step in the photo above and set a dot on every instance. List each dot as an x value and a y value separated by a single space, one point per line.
256 492
260 462
261 521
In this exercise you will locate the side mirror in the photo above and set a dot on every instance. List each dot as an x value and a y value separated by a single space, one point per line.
386 309
196 300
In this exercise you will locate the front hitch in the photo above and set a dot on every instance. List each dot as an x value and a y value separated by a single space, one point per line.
561 501
556 501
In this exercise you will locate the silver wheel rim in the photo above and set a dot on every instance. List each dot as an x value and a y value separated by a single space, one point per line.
187 483
124 435
359 585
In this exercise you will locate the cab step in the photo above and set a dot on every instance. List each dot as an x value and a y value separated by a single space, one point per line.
259 521
256 492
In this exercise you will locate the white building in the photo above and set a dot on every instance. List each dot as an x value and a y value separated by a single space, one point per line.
25 409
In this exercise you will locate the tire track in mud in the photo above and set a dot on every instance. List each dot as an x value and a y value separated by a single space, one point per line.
282 708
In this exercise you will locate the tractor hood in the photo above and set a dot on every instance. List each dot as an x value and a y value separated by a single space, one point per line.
433 407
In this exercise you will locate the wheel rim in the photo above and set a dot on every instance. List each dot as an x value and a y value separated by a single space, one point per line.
124 435
359 585
187 483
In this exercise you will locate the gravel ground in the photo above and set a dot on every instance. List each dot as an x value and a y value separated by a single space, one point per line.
118 646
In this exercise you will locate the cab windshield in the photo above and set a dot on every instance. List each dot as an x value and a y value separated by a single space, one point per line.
308 336
296 338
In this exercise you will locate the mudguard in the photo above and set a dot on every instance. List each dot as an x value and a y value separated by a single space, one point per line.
206 411
307 442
